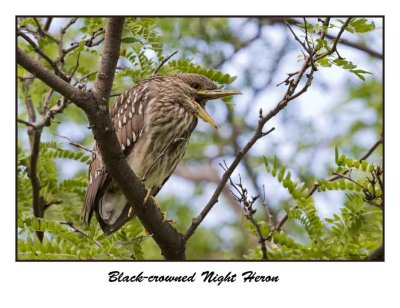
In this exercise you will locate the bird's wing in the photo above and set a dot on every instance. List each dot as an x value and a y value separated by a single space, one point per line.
127 114
98 183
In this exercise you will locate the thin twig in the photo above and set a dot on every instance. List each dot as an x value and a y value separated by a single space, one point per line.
206 173
75 144
68 24
248 211
240 46
70 224
349 179
57 109
38 25
46 102
84 77
76 66
27 123
163 62
356 45
266 208
88 43
296 37
47 24
43 55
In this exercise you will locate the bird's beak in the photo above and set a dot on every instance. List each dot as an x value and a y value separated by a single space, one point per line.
214 94
209 95
203 114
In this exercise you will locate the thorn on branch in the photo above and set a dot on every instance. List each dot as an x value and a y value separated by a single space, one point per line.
289 79
268 132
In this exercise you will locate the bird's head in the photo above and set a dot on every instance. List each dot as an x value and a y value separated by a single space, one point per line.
200 89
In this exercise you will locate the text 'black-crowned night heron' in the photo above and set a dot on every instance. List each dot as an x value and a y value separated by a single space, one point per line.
153 121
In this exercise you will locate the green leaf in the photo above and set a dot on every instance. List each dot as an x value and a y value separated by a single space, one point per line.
281 174
364 165
336 154
324 62
341 160
267 167
275 166
349 162
129 40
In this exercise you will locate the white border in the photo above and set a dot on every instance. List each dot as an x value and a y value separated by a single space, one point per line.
304 284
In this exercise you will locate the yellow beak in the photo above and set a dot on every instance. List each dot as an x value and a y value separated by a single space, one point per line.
209 95
203 114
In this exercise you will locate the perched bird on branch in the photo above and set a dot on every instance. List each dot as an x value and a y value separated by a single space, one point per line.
153 121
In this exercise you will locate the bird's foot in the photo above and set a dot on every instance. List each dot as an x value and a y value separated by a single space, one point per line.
147 196
166 220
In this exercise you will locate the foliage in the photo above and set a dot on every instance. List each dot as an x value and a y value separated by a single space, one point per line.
323 45
352 232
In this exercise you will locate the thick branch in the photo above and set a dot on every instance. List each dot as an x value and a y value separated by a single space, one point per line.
103 84
168 239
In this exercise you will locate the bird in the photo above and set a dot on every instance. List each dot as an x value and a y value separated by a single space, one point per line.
153 120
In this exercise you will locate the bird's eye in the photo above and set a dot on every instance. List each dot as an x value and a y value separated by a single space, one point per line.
196 86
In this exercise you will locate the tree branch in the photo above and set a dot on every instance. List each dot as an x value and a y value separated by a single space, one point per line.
289 95
94 104
103 83
43 55
355 45
206 174
214 199
80 98
163 62
242 197
35 136
70 224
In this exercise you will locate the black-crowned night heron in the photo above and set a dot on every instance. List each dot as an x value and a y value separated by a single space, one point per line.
153 121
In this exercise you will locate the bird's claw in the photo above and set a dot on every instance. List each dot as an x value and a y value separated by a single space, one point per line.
147 196
130 213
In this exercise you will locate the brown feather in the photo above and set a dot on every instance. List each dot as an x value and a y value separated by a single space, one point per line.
156 118
99 178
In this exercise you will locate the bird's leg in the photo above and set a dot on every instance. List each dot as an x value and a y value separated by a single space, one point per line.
147 196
